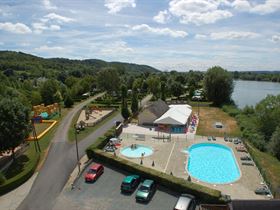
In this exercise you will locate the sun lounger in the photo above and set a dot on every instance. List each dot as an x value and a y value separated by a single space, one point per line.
248 163
241 149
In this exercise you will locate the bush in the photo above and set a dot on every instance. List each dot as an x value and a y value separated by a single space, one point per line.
2 178
68 101
231 110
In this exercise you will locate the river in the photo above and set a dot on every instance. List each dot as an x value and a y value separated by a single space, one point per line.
252 92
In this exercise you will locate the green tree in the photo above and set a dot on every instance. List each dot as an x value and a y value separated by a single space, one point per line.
14 124
268 115
58 97
137 84
48 91
274 144
123 93
36 98
176 89
124 108
71 81
134 101
218 85
68 101
154 85
163 91
108 80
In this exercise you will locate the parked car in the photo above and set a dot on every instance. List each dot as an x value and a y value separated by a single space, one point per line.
185 202
94 172
246 158
130 183
146 191
263 190
213 138
209 138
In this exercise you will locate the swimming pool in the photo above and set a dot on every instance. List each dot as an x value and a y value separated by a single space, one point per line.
136 152
212 163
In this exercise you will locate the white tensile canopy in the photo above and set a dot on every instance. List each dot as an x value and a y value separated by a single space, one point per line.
176 115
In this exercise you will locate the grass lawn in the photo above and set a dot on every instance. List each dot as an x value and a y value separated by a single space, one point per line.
88 130
269 166
40 127
208 116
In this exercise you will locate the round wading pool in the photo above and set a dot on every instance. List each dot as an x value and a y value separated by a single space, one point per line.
136 151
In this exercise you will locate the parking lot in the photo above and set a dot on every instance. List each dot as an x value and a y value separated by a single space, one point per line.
105 194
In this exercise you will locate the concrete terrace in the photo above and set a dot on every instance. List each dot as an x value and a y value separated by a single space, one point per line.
168 157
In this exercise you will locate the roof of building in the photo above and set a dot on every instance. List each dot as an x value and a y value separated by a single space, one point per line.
176 115
158 107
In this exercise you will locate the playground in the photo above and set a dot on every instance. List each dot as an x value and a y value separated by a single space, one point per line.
41 120
91 115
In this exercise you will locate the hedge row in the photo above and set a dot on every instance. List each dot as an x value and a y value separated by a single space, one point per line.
180 185
257 159
22 177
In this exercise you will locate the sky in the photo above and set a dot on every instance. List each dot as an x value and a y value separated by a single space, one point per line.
242 35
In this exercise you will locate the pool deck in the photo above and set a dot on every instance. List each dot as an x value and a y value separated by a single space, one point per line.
168 157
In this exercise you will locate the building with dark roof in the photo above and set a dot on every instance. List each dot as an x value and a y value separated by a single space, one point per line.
151 112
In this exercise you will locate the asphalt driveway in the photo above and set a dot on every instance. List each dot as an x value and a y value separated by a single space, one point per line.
105 194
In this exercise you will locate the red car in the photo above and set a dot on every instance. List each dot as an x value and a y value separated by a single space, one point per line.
94 172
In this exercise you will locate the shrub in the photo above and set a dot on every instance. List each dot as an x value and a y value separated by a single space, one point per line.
231 110
2 178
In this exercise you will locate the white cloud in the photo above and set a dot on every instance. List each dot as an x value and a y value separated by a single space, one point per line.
269 6
162 17
25 44
159 31
115 6
46 48
39 27
54 27
233 35
275 38
4 13
241 5
118 47
199 12
200 36
58 18
2 43
48 5
18 28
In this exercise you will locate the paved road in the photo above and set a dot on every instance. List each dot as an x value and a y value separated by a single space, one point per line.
105 194
59 164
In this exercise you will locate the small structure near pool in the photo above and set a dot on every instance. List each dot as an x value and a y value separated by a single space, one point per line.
170 119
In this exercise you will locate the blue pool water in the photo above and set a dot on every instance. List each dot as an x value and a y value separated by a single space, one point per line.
212 163
137 152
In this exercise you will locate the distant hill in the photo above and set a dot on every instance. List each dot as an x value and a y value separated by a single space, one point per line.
37 66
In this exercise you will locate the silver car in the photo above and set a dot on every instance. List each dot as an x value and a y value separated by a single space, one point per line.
185 202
